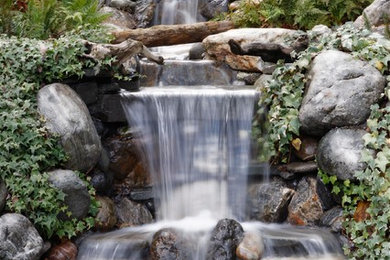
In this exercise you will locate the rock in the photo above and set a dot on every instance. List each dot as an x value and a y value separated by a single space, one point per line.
197 51
142 194
87 91
306 207
130 213
110 109
64 251
225 238
76 193
138 178
318 31
109 88
333 219
120 19
169 244
3 195
339 152
211 8
263 81
268 202
67 116
340 91
248 78
102 182
19 239
218 48
123 155
376 13
124 5
299 167
106 218
251 247
307 148
144 12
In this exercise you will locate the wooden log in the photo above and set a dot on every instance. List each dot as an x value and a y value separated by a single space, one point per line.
162 35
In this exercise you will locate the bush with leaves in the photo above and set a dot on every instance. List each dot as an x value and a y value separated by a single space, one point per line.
301 14
282 97
27 149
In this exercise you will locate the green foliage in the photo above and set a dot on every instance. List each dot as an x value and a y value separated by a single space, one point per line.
302 14
27 150
282 97
42 19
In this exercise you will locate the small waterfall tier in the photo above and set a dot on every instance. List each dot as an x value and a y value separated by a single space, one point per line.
176 12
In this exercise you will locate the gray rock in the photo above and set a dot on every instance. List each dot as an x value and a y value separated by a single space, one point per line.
333 219
105 218
19 240
211 8
130 213
142 194
197 51
76 193
263 81
339 152
3 195
102 182
169 244
109 88
340 91
268 202
144 12
376 13
248 78
306 206
125 5
87 91
67 115
110 109
225 238
119 20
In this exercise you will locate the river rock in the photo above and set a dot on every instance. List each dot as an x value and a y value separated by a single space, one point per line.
76 193
251 247
106 218
197 51
376 13
169 244
340 91
333 219
19 239
67 115
306 206
225 238
124 5
3 195
66 250
218 48
119 20
268 202
130 213
211 8
339 152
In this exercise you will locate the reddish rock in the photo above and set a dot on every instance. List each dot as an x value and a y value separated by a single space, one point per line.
64 251
251 247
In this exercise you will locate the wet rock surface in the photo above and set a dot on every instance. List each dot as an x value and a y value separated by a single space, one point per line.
339 152
130 213
333 219
251 247
76 194
268 202
340 91
19 239
67 115
169 244
102 182
3 195
211 8
144 12
64 251
225 238
125 5
106 218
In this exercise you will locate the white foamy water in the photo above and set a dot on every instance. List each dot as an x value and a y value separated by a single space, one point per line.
176 12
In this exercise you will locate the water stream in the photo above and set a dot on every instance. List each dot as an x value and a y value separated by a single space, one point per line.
176 12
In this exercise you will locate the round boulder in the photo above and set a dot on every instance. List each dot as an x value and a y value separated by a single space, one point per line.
340 92
76 193
169 244
68 116
339 152
19 239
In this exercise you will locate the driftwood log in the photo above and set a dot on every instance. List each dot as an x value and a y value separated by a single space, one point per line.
123 51
162 35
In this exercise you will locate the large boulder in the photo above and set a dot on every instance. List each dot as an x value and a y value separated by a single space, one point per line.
67 115
309 202
225 238
211 8
76 193
339 152
118 19
19 239
130 213
3 194
340 91
218 48
268 202
376 14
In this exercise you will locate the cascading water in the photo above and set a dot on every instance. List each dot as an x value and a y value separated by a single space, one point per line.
176 12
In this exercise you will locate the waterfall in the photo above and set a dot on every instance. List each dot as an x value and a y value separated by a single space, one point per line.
196 143
176 12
